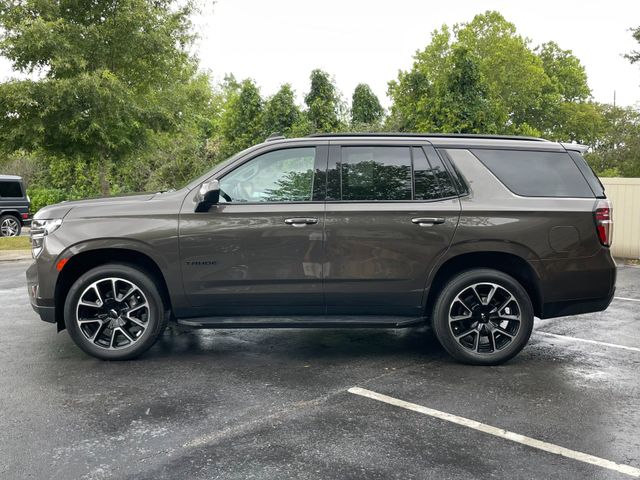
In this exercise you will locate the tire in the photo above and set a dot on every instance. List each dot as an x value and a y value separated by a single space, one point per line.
10 226
483 317
121 312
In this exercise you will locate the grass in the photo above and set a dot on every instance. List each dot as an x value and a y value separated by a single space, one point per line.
14 243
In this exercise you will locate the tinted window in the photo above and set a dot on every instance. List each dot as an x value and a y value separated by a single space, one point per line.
431 179
376 173
10 189
592 180
279 176
536 174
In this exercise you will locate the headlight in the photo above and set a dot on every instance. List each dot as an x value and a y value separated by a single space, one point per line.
40 229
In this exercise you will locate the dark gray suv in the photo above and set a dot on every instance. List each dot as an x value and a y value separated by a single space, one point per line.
14 206
475 235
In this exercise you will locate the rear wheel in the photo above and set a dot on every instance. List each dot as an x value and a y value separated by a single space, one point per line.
10 226
114 312
483 317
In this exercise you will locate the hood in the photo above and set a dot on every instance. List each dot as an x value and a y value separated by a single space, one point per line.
60 210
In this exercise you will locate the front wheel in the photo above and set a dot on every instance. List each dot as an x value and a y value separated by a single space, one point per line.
114 312
483 317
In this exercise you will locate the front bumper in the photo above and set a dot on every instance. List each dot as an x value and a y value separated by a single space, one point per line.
41 306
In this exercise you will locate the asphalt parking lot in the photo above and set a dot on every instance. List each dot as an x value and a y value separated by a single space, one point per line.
269 404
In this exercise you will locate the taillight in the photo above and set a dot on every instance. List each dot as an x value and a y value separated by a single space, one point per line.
603 216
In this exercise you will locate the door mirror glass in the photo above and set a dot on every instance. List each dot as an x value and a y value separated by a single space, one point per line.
208 195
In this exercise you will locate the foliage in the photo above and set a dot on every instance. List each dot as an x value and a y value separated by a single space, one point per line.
241 124
482 76
616 152
323 103
365 106
108 75
634 56
281 113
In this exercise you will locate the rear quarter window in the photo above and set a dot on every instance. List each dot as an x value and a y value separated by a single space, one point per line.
536 173
10 189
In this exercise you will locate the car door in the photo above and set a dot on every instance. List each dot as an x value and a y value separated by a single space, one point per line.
391 212
260 249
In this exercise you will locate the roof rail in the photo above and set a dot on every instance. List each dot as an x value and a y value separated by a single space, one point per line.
576 147
438 135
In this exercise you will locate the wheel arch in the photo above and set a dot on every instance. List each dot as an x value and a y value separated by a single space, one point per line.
84 261
509 263
14 213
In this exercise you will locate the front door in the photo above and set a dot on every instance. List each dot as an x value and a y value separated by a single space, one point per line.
391 212
260 250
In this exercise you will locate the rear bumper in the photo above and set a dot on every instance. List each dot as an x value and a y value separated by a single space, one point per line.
576 307
579 286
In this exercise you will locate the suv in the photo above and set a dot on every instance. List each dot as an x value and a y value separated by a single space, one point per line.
14 206
475 235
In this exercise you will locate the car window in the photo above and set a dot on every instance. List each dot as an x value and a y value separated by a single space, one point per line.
431 179
10 189
536 173
277 176
376 173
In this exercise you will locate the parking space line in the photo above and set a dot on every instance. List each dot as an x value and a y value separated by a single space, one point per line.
499 432
627 299
584 340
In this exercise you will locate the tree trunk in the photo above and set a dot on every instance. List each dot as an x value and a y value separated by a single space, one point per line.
105 187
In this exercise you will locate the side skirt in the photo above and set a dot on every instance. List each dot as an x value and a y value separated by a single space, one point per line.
306 321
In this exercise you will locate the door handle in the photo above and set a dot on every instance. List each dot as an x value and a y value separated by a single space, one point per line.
427 222
301 222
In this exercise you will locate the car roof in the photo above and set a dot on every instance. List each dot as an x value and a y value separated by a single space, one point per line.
10 177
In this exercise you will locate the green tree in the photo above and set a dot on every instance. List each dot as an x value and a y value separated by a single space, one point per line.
365 106
519 90
616 151
634 56
281 112
462 103
106 72
241 123
323 103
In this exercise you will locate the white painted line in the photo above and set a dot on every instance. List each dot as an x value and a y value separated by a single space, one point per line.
627 299
499 432
595 342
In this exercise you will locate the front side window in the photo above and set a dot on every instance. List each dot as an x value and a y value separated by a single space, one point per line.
376 173
278 176
10 190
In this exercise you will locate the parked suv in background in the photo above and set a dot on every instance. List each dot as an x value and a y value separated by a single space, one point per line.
14 206
474 234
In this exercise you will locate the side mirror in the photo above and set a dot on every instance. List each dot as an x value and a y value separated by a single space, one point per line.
208 195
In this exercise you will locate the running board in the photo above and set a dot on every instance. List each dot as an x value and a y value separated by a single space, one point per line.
303 321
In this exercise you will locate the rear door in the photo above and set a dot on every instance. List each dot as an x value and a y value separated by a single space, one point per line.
391 211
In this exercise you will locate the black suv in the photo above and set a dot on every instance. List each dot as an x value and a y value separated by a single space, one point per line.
474 235
14 206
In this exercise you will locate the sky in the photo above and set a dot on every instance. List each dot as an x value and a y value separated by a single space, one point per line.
280 41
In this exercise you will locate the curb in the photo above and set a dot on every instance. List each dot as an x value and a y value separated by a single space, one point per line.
14 255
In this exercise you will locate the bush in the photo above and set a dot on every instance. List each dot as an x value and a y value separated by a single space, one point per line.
41 197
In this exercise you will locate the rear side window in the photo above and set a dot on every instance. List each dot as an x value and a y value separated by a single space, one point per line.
535 173
592 179
431 178
376 173
10 189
